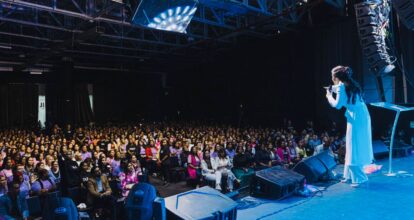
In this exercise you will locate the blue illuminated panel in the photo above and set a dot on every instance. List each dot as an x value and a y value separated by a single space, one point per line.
170 15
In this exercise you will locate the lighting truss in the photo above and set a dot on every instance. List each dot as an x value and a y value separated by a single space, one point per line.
39 25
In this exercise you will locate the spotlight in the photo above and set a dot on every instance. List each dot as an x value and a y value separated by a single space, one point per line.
166 15
372 21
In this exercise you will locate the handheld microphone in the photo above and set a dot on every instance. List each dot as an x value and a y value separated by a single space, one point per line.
328 88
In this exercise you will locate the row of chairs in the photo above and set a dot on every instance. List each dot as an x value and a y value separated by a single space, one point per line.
51 206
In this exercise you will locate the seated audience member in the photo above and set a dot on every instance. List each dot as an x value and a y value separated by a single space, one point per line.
314 141
103 165
78 158
44 184
325 146
184 155
262 158
20 168
152 160
274 157
301 149
48 162
230 151
29 166
24 184
193 167
100 194
208 172
283 153
85 174
222 164
142 154
85 153
293 154
3 185
335 143
54 173
136 164
132 148
12 202
6 169
116 164
243 169
129 177
175 154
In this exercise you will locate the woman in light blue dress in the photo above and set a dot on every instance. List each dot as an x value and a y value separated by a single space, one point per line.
358 132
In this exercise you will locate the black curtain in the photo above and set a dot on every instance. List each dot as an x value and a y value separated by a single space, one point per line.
19 105
56 105
83 110
125 97
334 45
68 105
407 48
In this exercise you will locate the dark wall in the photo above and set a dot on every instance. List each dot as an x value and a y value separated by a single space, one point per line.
18 104
257 82
269 79
276 79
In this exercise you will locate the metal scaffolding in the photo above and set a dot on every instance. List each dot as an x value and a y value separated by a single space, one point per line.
41 31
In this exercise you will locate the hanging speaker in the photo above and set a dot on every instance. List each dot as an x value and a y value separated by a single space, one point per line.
372 21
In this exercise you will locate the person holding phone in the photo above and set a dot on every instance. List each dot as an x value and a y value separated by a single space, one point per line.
358 132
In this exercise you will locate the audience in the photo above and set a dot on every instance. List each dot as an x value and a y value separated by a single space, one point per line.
104 160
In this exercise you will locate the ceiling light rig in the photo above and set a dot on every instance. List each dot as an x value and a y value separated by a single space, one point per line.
169 15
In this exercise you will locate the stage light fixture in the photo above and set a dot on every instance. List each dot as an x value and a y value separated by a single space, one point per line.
164 15
372 22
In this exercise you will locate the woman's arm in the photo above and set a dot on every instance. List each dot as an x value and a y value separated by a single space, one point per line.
214 163
340 100
204 167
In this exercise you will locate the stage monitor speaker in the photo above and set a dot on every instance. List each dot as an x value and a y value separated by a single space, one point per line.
380 149
405 10
311 168
316 168
201 203
327 160
276 182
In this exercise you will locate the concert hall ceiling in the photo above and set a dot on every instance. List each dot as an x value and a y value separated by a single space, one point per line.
100 35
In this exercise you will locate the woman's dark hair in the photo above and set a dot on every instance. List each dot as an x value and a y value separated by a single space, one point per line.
5 162
193 153
124 165
222 152
352 88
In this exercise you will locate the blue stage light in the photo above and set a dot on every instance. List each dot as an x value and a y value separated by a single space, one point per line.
165 15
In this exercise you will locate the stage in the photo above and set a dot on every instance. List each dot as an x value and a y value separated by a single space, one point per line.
384 198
